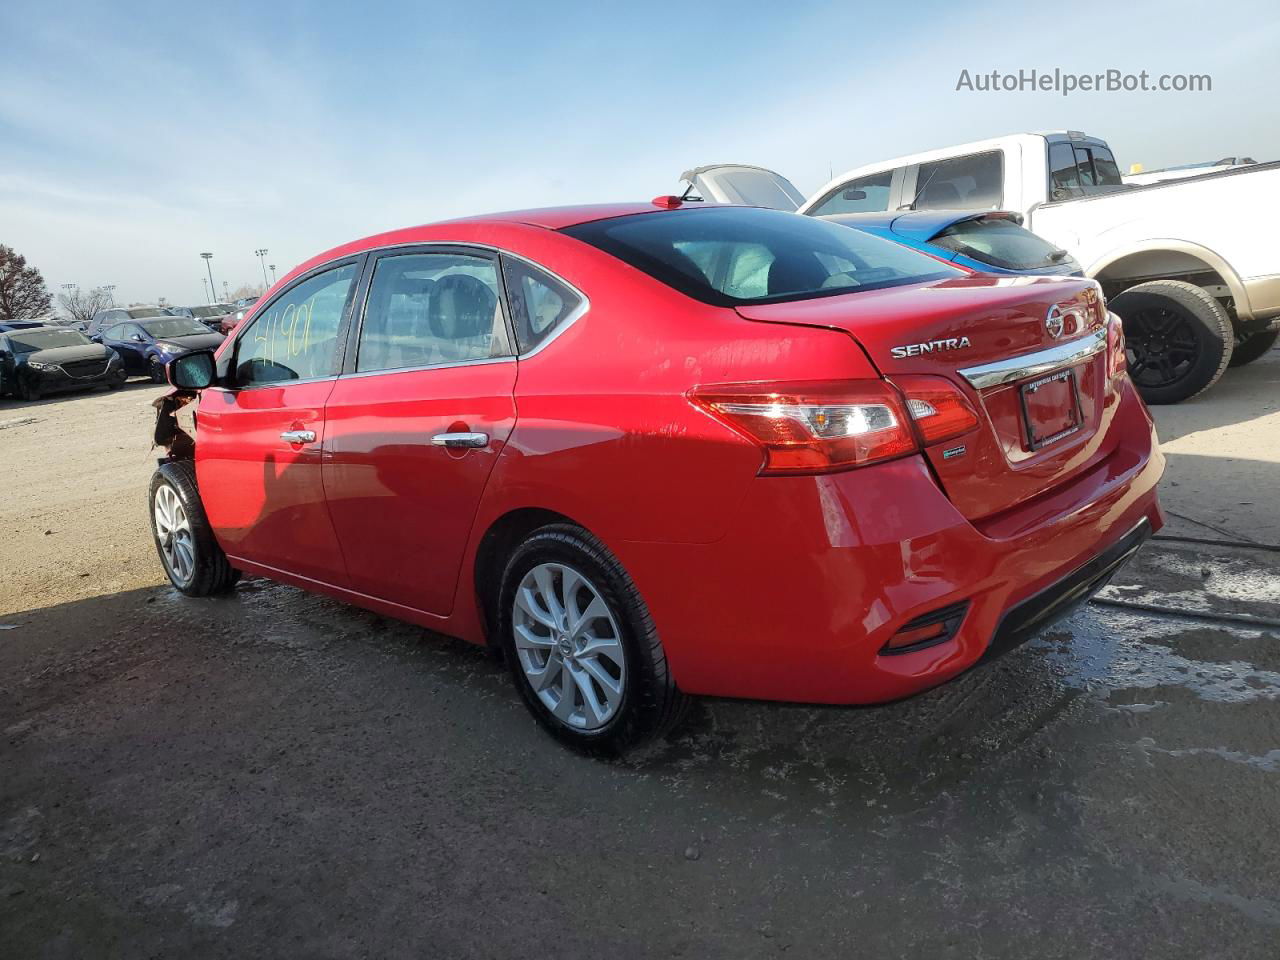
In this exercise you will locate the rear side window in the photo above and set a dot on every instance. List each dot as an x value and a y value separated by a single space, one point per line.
296 338
431 308
737 255
864 195
1001 243
540 304
961 183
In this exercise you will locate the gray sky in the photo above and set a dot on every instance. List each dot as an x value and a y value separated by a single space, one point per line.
134 136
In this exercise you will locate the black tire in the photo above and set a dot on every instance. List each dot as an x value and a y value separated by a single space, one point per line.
28 392
1178 338
211 572
155 369
1253 347
650 704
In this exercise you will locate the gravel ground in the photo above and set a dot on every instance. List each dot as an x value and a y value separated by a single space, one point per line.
275 774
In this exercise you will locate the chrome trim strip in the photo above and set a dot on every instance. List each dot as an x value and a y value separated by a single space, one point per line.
390 371
1034 364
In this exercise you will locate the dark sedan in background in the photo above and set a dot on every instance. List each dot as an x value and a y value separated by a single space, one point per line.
147 345
41 360
210 314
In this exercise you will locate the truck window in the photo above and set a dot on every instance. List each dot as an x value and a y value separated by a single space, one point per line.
874 198
1063 174
961 183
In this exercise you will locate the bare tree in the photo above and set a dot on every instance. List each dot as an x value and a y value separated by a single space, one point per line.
22 291
247 290
81 306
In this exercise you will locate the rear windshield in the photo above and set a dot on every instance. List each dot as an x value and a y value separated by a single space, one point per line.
738 255
141 313
1001 243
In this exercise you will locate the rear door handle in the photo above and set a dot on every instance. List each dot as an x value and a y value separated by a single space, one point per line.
298 436
461 440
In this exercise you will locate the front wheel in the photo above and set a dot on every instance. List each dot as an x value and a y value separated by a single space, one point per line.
1253 347
582 648
191 557
1177 337
155 370
29 392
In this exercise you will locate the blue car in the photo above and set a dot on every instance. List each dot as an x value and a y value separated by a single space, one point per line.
987 241
146 345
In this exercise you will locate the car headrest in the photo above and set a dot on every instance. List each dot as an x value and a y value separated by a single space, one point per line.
461 306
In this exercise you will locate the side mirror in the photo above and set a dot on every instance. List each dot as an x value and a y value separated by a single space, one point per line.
137 337
192 371
854 194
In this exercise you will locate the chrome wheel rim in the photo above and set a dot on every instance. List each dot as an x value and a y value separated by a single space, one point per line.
173 534
569 646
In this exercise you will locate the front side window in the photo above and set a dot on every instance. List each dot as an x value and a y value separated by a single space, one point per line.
737 255
432 308
865 195
961 183
539 302
296 338
121 331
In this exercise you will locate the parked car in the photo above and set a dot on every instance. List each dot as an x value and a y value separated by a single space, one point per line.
114 315
210 314
1189 264
987 242
147 345
236 314
651 453
41 360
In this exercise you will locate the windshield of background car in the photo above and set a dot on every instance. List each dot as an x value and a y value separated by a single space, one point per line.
29 341
140 313
174 327
207 312
739 255
999 242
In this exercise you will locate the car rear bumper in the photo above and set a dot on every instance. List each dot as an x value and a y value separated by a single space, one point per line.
800 600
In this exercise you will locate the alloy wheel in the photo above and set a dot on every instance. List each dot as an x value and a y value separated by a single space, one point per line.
173 532
1161 347
569 646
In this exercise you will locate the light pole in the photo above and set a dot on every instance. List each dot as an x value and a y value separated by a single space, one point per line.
261 254
273 274
207 266
110 288
226 295
205 283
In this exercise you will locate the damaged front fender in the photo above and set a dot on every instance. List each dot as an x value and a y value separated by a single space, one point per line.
169 434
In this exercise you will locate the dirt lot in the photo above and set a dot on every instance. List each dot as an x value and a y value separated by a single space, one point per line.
275 774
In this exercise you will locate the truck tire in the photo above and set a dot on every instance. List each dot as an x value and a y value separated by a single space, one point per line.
1253 347
1179 339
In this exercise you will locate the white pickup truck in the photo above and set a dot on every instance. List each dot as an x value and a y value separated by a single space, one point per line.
1191 265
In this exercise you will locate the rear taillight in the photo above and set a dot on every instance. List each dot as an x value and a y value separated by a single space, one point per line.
1117 362
814 427
938 408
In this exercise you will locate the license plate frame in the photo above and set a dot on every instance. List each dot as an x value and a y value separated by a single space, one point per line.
1076 419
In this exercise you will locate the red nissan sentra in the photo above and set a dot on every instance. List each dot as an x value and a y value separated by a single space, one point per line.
654 452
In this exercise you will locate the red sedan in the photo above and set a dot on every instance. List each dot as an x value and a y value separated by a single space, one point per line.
654 452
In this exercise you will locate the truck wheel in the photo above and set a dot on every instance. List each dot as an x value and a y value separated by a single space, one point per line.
1178 339
1253 346
191 556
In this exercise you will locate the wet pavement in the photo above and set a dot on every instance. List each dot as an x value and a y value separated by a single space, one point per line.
276 774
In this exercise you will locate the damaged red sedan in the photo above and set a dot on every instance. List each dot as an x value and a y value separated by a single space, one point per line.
653 452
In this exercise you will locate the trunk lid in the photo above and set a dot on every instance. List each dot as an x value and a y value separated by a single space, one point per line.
996 340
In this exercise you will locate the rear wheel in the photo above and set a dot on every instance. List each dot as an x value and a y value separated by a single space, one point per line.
1177 337
1253 346
582 648
188 551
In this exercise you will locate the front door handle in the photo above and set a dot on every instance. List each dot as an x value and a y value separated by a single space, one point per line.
298 436
461 440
